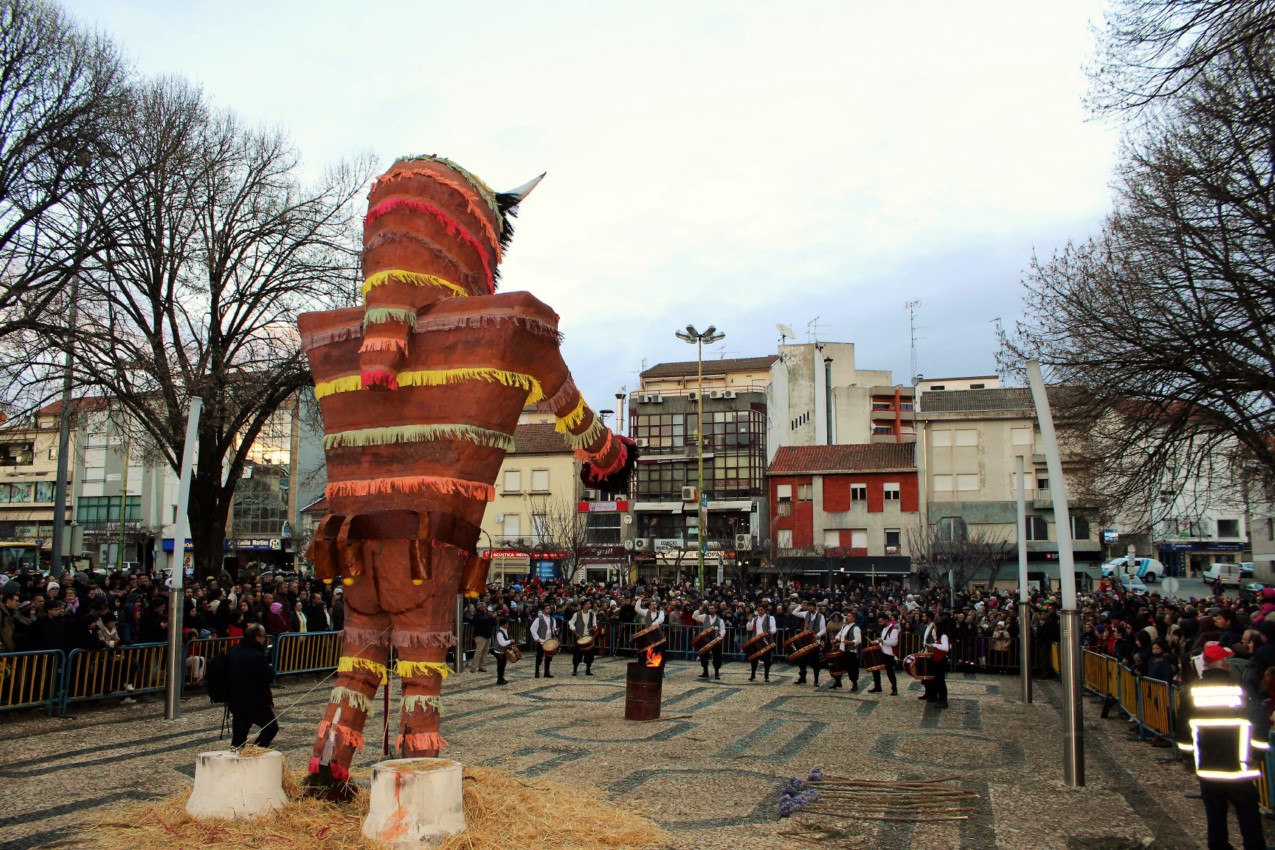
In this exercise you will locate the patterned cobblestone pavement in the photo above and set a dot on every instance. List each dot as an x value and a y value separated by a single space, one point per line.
709 770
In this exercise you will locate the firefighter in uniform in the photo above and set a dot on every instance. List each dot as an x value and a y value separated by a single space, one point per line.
1217 727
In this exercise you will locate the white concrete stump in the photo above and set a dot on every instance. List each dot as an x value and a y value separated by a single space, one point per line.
230 786
415 802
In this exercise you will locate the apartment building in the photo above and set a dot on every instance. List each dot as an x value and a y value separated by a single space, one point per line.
969 439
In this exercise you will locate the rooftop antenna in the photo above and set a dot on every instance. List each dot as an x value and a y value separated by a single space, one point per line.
911 307
812 329
785 333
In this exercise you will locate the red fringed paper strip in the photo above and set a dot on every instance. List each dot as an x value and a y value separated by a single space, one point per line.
314 765
378 378
419 742
347 736
340 772
364 637
565 397
452 226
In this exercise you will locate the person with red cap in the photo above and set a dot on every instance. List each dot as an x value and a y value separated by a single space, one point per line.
1218 727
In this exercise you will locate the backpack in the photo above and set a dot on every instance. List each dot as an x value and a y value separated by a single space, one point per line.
217 678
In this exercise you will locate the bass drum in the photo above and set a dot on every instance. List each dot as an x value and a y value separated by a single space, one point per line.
584 644
649 639
759 645
706 640
801 645
873 658
551 647
919 666
838 662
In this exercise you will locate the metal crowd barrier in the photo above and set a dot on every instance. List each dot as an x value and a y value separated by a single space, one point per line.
306 652
94 674
207 648
30 679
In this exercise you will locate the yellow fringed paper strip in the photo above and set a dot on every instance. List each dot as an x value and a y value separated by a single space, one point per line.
413 278
441 377
572 419
418 434
409 669
412 484
347 384
429 703
352 698
582 441
349 665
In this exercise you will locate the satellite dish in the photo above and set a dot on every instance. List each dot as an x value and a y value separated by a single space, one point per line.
785 331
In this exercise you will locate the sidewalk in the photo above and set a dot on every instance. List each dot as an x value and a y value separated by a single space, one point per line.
709 770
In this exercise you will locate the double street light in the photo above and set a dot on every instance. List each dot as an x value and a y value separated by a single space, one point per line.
699 340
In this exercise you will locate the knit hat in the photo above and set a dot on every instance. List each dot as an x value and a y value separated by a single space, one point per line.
1215 652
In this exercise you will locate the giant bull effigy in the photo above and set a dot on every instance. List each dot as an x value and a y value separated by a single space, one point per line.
420 391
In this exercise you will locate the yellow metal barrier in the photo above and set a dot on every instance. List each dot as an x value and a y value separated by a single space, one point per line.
306 652
1128 692
1156 701
29 679
1054 660
101 673
207 648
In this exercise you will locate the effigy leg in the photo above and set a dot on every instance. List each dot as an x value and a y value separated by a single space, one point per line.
361 671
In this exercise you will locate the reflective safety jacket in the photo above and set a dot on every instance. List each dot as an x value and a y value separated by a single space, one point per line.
1216 725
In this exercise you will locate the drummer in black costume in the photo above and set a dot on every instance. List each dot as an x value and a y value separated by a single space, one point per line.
582 626
761 622
941 646
814 620
707 618
500 646
848 640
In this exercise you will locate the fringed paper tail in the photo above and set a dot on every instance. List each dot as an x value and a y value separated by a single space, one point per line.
346 736
615 479
418 743
440 640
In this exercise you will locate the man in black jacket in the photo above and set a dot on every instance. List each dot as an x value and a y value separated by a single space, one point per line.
249 698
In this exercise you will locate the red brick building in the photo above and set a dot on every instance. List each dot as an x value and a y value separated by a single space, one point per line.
844 509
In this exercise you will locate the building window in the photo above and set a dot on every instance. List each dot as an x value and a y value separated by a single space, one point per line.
783 538
1079 528
951 529
805 492
513 481
96 512
941 439
978 386
540 481
892 536
892 491
942 483
967 436
603 529
783 492
858 492
1270 528
1042 481
1020 436
510 528
967 483
859 538
1037 528
44 491
17 454
832 538
938 388
1228 528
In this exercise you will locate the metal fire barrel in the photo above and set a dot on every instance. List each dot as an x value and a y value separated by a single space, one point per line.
645 685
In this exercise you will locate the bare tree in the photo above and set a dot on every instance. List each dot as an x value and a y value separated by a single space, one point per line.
1163 323
214 247
955 551
61 89
1150 51
558 526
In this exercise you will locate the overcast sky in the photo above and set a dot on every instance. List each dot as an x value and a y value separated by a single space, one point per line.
726 163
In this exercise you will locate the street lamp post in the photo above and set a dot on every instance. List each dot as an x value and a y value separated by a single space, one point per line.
699 340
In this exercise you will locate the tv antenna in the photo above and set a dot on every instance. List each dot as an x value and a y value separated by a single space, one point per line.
911 307
812 329
785 333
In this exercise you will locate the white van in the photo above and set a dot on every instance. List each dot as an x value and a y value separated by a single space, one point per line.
1222 572
1148 569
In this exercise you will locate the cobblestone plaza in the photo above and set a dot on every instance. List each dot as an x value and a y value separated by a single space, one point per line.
709 771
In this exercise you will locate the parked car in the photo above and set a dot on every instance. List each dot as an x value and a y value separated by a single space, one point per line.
1133 584
1222 572
1251 591
1147 569
1246 569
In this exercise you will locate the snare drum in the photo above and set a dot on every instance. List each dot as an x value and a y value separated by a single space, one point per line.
584 644
551 647
873 658
758 646
706 640
919 665
801 645
649 639
510 653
